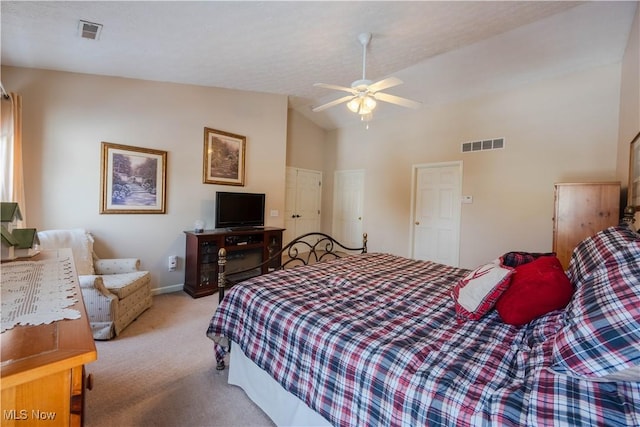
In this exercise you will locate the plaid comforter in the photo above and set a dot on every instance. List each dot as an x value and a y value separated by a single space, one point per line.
372 340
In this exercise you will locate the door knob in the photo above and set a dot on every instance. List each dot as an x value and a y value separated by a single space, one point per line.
417 222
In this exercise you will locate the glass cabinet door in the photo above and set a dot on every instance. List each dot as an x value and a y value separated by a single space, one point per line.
208 263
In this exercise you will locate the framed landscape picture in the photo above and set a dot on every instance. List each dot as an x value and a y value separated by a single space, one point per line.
133 180
223 157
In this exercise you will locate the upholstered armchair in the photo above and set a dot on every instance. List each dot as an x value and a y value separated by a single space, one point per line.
115 291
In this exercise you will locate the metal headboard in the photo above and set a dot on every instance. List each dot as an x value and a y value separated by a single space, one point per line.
306 249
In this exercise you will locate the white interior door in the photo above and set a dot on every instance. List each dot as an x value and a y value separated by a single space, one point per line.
437 199
308 201
290 205
348 200
302 202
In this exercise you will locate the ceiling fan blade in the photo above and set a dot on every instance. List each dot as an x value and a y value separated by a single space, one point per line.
404 102
384 84
335 87
332 103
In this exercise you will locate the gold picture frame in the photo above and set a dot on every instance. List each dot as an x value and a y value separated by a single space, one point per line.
133 180
633 197
223 157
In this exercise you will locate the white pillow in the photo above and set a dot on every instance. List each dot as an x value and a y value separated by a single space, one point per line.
478 292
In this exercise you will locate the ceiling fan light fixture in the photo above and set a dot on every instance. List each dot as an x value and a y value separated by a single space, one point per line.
362 105
354 105
369 103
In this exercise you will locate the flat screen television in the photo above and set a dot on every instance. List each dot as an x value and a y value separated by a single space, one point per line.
239 210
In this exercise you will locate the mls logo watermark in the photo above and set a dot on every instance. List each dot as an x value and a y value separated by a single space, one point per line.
23 415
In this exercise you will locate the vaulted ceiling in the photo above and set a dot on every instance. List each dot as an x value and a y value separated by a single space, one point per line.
443 51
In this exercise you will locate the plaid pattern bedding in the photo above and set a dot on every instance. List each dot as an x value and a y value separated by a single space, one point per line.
372 340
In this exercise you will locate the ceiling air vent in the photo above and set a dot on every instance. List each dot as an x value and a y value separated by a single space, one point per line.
89 30
485 144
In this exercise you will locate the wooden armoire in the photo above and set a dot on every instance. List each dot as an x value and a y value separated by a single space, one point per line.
581 210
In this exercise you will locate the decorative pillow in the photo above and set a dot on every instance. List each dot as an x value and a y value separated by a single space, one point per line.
536 288
516 258
601 332
478 292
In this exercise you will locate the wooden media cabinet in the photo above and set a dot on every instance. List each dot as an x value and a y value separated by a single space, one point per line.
245 248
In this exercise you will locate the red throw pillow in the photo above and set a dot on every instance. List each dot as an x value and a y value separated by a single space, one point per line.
536 288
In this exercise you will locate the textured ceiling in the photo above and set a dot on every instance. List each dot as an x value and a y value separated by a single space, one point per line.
441 50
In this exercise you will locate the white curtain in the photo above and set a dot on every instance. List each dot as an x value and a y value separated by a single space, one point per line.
12 185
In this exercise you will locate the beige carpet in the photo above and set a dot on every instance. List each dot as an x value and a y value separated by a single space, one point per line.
161 371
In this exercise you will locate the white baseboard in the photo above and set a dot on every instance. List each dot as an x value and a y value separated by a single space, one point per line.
167 289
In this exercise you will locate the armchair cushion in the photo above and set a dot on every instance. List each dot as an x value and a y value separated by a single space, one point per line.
125 284
116 265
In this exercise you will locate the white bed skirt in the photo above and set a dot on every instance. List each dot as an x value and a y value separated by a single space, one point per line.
281 406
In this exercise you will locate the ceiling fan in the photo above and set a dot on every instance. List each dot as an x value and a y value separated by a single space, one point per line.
364 93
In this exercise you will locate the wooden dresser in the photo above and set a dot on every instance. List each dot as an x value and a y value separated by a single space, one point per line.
43 378
581 210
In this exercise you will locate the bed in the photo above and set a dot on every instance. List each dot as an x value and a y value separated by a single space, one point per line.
376 339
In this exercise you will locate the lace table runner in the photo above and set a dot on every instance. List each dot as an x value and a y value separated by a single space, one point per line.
38 292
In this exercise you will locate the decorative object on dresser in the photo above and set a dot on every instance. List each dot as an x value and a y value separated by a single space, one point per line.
581 210
43 378
244 248
115 291
16 242
629 216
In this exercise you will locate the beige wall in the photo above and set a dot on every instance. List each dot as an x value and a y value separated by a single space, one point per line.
559 130
305 143
562 129
66 116
307 149
629 101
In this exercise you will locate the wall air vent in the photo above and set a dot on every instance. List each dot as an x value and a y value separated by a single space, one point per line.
485 144
89 30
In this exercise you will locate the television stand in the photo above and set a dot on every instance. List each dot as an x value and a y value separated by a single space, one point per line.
245 248
245 228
